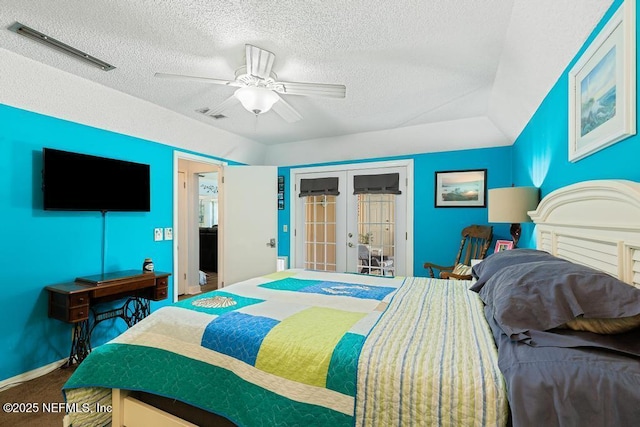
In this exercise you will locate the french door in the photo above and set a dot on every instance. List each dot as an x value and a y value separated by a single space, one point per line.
346 232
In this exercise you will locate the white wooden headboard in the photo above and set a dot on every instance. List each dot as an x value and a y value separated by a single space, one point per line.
595 223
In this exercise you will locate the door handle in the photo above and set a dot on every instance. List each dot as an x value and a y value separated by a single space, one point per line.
350 245
272 243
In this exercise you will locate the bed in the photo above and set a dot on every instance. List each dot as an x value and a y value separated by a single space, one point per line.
567 330
309 348
289 349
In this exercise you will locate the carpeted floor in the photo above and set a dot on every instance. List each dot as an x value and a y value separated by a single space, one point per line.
43 393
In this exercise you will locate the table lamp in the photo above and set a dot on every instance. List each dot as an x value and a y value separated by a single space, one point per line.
510 205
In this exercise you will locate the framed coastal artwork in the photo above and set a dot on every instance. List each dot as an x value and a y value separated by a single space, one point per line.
463 188
602 87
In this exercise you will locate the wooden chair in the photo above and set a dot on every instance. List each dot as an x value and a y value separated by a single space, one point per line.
475 242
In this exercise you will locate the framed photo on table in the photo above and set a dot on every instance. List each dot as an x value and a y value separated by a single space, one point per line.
464 188
602 87
503 245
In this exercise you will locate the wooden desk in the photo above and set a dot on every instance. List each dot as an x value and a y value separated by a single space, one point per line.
77 302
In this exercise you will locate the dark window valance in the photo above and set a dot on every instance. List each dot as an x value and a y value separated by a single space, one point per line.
388 183
318 187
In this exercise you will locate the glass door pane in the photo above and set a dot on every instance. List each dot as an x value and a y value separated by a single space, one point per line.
320 233
376 234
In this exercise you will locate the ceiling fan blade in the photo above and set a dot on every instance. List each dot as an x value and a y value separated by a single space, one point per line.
224 105
259 61
312 89
286 111
197 79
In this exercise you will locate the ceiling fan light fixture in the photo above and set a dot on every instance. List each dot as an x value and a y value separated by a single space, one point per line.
260 90
256 100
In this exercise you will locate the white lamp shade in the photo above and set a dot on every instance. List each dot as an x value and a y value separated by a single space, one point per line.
256 99
511 204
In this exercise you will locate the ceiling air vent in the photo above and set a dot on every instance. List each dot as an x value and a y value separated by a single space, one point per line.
32 34
206 110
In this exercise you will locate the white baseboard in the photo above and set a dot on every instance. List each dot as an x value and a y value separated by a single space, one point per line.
19 379
193 290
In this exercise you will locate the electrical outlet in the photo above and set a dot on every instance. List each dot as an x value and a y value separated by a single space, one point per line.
168 233
157 234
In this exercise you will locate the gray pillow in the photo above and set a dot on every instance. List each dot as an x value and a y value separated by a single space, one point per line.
547 294
484 270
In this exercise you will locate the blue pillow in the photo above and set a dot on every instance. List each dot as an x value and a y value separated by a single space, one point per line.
547 294
484 270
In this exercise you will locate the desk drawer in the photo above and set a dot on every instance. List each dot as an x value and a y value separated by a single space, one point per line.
160 293
107 290
78 299
79 313
63 310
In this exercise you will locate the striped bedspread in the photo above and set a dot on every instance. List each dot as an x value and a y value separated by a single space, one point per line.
303 348
431 361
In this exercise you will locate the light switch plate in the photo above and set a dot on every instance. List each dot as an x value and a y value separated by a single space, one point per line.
157 234
168 233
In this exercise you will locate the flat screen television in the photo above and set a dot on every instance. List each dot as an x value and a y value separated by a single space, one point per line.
80 182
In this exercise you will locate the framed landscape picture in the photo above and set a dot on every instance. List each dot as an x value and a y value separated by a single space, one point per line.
464 188
602 88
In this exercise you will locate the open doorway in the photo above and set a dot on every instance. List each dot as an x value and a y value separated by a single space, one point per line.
247 222
195 219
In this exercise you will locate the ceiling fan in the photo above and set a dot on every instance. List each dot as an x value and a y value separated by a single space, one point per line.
259 88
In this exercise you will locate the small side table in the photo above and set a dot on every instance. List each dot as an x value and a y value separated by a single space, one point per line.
78 303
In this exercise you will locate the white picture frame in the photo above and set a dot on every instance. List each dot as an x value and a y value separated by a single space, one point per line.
602 87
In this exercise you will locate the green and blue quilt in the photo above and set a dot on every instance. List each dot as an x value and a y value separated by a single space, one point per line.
282 347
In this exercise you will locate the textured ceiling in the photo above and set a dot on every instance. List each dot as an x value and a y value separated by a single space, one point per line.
404 63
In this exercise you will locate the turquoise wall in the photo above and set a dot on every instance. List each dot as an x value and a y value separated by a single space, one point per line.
540 154
436 230
46 247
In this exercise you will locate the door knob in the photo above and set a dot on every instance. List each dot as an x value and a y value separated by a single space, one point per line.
272 243
350 244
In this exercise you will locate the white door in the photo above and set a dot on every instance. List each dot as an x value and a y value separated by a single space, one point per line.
248 223
364 233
